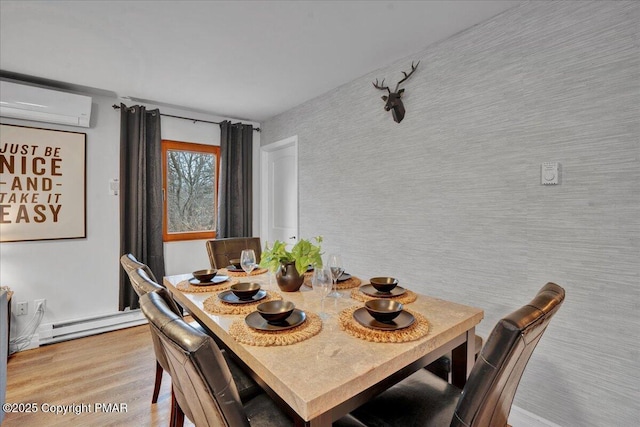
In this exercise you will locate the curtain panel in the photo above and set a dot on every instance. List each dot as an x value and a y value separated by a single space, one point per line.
140 194
235 192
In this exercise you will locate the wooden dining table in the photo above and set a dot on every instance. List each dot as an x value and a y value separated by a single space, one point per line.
322 378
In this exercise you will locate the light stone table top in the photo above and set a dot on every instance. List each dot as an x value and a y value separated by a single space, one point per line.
321 378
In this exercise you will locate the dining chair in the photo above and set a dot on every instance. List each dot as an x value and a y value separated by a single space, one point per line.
423 399
203 387
222 251
130 263
143 284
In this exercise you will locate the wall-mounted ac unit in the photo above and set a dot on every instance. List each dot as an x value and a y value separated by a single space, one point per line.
44 105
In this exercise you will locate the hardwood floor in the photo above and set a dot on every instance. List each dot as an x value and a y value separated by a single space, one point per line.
86 375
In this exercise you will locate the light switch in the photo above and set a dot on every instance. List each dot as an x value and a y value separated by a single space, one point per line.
114 187
549 173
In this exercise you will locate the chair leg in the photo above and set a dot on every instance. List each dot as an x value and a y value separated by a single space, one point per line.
177 416
172 416
156 387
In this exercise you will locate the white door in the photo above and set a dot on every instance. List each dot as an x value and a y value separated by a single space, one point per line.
279 189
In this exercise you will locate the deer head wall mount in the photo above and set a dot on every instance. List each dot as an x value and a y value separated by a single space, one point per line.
394 101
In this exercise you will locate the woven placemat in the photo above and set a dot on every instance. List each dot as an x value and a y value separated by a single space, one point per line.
244 334
213 304
417 330
185 286
352 282
243 274
406 298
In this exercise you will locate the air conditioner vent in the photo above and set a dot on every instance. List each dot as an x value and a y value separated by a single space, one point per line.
44 105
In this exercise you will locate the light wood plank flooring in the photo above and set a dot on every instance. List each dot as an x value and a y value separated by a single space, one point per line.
114 367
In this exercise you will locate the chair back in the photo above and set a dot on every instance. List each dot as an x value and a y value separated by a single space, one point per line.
143 284
202 382
488 394
130 263
222 251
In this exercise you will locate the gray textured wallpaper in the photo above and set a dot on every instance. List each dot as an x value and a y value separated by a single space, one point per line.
450 200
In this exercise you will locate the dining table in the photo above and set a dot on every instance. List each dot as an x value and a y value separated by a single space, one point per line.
323 375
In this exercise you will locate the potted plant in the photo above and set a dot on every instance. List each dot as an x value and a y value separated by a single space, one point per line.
290 266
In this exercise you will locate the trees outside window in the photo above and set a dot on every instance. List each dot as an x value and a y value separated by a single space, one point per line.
190 173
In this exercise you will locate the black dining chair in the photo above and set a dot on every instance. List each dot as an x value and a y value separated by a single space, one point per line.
222 251
423 399
130 263
143 284
203 387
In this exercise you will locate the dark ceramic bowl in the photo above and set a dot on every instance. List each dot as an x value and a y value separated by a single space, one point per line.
275 311
236 262
383 310
245 290
205 275
383 284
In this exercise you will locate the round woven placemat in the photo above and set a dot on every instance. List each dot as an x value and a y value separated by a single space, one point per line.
352 282
417 330
213 304
406 298
185 286
244 334
243 274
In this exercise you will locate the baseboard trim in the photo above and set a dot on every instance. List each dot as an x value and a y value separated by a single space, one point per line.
522 418
79 328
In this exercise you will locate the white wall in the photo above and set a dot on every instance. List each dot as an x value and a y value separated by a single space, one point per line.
79 277
450 200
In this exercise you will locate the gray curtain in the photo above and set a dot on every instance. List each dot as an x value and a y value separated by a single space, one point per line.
140 194
235 191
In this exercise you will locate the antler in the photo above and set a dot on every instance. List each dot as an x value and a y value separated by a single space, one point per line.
379 86
406 76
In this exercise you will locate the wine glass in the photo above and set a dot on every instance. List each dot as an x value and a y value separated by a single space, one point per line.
335 264
321 283
248 260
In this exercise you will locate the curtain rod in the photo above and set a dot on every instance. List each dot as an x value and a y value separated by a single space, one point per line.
117 107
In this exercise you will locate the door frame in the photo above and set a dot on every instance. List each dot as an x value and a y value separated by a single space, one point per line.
264 183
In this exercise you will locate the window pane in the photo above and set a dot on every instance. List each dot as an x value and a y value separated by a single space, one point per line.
190 191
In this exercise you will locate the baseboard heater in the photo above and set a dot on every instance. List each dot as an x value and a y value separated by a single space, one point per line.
62 331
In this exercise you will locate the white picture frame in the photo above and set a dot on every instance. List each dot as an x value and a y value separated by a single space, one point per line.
42 184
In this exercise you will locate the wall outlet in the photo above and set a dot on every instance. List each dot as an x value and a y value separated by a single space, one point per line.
21 308
37 302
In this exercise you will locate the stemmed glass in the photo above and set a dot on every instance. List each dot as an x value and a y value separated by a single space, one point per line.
321 282
248 260
335 264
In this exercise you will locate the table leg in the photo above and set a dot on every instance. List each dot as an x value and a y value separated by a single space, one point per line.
320 421
463 359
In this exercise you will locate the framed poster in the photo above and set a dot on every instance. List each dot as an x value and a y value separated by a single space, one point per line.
42 184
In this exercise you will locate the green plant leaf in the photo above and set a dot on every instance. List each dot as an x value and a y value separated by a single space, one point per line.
303 253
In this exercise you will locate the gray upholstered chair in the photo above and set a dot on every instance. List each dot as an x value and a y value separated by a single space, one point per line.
203 387
425 400
222 251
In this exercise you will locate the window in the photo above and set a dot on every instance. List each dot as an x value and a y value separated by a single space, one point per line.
190 176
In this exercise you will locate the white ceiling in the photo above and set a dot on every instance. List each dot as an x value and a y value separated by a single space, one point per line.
241 59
